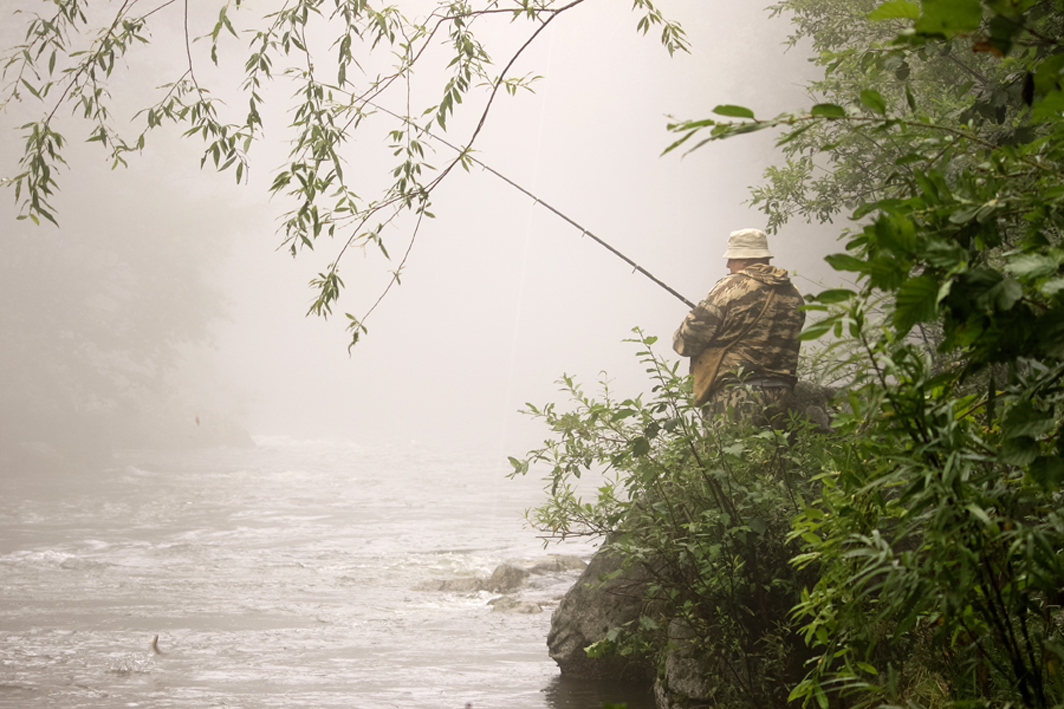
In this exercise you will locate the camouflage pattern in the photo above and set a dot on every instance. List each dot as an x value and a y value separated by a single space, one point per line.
768 351
761 406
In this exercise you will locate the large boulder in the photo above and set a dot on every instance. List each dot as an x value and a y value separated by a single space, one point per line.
506 578
605 596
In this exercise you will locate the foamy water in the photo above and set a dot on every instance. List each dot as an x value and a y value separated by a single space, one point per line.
280 576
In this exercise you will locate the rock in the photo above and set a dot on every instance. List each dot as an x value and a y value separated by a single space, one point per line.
505 578
509 604
587 613
459 585
684 675
558 563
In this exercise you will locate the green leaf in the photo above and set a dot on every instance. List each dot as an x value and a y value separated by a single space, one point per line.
944 254
888 272
1025 420
1053 286
870 669
895 10
1047 471
835 295
896 234
1030 266
846 262
874 100
917 301
733 111
827 110
640 447
979 513
817 329
1021 450
949 17
965 214
1005 294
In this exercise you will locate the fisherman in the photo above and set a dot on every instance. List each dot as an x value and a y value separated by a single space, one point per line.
743 337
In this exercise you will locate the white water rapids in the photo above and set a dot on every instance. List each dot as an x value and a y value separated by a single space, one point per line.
278 576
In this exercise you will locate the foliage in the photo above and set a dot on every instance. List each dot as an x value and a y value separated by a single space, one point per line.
348 66
704 508
830 168
939 541
938 533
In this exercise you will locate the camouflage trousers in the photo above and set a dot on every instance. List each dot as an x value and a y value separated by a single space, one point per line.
757 405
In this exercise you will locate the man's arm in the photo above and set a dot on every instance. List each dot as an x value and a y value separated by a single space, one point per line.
698 329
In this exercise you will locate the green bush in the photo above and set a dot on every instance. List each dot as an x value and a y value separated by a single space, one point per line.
705 507
939 529
911 557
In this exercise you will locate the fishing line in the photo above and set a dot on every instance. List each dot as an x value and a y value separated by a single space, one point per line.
519 306
636 268
515 339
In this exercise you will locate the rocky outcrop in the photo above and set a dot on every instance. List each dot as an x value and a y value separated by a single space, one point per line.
607 597
604 597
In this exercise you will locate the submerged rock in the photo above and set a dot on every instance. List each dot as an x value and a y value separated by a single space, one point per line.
509 604
507 577
558 563
459 585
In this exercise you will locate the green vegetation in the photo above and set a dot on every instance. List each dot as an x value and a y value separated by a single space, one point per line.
706 510
925 555
911 557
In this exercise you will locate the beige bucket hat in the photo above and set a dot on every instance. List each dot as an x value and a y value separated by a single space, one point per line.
747 243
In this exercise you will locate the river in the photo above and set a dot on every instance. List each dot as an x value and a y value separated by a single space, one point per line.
283 575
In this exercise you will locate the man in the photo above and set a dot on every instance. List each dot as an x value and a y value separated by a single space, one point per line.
743 337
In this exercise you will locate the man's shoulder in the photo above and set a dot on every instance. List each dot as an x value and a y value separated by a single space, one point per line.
768 274
744 282
734 282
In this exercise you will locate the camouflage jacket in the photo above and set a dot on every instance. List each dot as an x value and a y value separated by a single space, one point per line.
770 348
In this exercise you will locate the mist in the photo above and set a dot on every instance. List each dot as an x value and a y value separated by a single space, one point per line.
168 278
209 500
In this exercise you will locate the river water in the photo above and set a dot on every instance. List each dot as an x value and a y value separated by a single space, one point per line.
283 575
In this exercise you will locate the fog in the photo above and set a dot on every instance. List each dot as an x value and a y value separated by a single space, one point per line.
498 299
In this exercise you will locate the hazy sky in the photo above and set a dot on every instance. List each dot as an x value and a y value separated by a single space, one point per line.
499 297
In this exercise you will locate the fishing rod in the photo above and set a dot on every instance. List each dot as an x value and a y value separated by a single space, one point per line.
584 232
536 200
